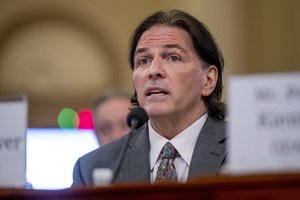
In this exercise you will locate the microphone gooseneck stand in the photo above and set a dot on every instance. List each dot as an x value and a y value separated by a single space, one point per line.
135 119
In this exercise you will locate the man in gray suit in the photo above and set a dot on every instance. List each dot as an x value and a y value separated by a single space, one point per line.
177 76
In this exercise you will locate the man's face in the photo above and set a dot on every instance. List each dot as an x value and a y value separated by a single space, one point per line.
168 75
110 119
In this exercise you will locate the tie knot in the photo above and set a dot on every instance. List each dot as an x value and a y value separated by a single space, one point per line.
169 151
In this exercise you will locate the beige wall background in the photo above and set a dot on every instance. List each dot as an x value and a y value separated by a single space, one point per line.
63 53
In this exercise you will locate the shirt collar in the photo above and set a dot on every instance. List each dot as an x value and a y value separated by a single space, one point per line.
184 142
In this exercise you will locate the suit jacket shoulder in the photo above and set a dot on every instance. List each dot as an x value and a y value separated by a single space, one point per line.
210 151
108 155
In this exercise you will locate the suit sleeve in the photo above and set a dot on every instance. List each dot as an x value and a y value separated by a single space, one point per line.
77 178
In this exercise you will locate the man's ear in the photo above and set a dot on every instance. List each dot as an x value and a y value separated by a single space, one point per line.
211 80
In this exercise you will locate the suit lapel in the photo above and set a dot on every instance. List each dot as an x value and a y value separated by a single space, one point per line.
136 163
209 152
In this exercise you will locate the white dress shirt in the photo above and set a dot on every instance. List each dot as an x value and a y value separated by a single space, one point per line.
184 143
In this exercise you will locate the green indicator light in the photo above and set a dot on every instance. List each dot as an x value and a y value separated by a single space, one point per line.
68 118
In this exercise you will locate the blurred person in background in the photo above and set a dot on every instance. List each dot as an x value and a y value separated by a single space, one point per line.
109 115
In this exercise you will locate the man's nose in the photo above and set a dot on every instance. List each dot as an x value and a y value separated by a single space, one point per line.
156 69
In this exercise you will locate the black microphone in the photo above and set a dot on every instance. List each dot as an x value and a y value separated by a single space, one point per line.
136 118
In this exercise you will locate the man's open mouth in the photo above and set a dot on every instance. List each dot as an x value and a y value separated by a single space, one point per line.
151 92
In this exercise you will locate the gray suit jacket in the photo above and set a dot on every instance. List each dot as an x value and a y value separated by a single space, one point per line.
208 156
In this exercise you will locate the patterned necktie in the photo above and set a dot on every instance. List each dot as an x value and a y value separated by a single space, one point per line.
166 171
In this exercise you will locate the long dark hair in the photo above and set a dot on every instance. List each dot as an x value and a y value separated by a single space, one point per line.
204 44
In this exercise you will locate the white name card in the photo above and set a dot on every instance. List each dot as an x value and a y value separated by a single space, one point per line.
13 125
264 123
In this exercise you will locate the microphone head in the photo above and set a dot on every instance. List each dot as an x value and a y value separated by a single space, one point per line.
137 117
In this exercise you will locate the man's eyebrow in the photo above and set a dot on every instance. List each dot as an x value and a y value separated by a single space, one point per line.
174 46
168 46
140 50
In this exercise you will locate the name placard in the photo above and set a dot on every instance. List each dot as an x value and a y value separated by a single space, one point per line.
13 125
264 123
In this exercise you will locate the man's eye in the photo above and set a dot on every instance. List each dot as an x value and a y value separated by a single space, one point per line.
141 62
174 58
144 61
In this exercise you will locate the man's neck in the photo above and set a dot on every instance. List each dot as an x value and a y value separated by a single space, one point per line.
169 127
